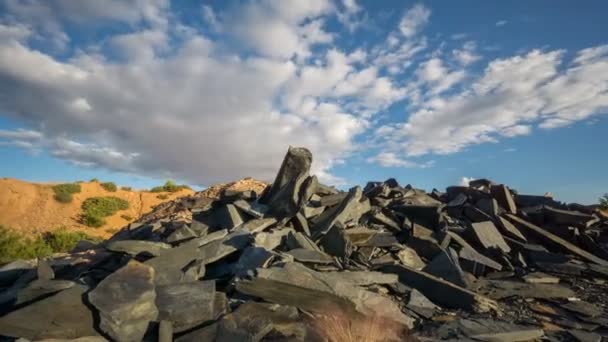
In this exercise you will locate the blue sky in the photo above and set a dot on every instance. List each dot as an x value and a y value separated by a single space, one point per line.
430 92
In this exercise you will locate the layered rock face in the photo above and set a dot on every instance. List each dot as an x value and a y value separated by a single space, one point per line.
481 262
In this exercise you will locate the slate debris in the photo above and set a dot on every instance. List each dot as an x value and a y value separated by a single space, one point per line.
478 262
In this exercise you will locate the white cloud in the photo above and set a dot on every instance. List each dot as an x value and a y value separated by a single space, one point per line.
414 19
510 97
390 159
464 181
501 23
466 55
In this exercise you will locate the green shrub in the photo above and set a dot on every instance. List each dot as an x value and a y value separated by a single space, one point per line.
126 188
162 196
169 186
63 192
109 186
15 246
604 202
127 217
95 209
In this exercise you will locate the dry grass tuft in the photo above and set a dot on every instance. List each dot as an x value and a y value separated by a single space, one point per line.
340 327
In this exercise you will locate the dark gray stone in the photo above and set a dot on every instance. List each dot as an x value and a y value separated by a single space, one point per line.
566 217
310 256
331 200
186 305
221 248
441 291
298 240
486 234
273 239
125 300
499 289
488 206
585 336
348 210
63 315
555 240
39 288
301 224
296 285
170 264
426 215
445 265
134 247
310 212
253 209
258 225
284 198
180 234
540 278
362 236
510 230
421 305
475 214
504 198
381 218
583 308
497 331
252 258
471 260
336 243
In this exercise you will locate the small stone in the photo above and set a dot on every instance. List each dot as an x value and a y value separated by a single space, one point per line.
165 331
45 271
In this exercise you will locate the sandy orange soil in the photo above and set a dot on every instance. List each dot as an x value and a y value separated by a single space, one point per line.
32 209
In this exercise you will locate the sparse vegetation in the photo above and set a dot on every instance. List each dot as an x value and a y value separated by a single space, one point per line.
162 196
126 188
15 246
109 186
94 180
64 192
604 202
169 186
127 217
96 209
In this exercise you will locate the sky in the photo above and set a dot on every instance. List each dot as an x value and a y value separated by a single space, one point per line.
432 93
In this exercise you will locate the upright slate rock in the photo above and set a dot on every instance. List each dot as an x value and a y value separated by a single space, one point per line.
486 234
126 302
284 197
446 266
504 198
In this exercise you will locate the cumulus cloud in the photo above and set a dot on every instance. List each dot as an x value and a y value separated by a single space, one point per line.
414 19
511 97
159 97
390 159
464 181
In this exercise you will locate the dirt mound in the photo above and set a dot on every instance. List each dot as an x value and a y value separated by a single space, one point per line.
32 209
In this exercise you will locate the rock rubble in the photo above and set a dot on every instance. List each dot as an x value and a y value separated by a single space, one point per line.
481 263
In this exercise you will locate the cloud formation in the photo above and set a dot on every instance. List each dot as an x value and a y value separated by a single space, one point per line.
223 96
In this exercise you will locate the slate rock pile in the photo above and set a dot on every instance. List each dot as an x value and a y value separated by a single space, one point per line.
479 263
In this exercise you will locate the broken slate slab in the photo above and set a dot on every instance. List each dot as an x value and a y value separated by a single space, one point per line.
221 248
585 336
486 234
348 209
510 230
362 236
410 258
273 239
554 240
296 285
499 289
497 331
39 288
169 265
135 247
298 240
336 243
126 302
258 225
566 217
180 234
441 291
540 278
253 209
583 308
310 256
445 265
362 278
252 258
63 315
187 305
421 305
504 198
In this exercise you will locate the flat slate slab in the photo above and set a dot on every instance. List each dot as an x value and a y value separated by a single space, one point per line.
63 315
186 305
134 247
296 285
125 300
488 236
